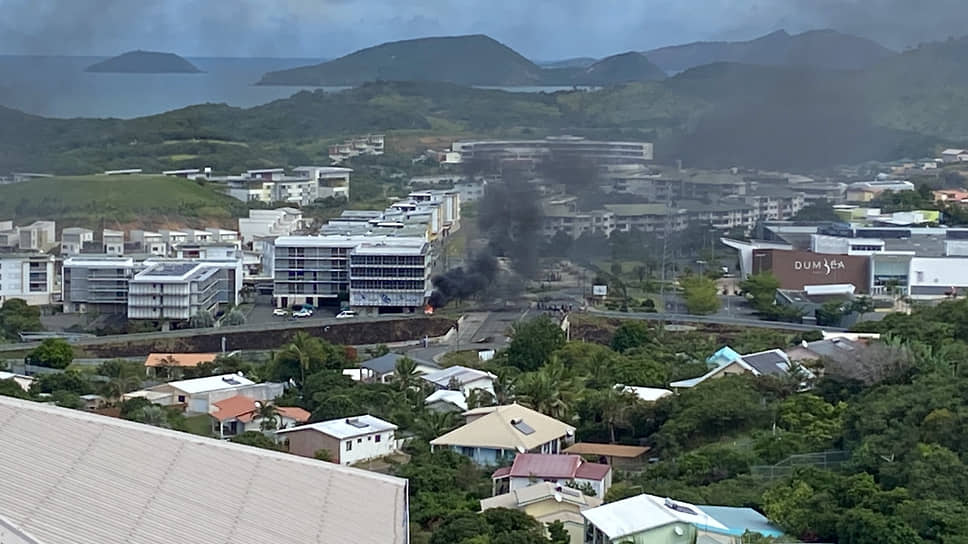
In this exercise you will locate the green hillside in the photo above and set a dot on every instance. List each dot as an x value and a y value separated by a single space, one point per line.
86 200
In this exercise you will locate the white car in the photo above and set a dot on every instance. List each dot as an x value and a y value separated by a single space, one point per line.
303 313
346 314
280 312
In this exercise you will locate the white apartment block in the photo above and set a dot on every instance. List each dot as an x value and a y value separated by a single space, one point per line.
37 236
269 223
113 241
73 240
371 144
391 273
172 237
223 235
27 276
173 291
306 185
152 243
332 181
96 284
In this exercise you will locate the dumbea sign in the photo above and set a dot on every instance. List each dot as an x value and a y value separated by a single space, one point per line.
823 266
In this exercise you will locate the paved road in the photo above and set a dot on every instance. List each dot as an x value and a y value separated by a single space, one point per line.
491 327
716 320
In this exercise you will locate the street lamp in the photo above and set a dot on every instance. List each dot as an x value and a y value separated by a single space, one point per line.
701 263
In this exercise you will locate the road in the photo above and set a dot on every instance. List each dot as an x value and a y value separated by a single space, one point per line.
715 320
476 326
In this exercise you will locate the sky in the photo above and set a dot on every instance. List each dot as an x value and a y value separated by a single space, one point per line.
539 29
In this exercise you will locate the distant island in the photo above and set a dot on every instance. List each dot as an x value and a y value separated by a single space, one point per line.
465 60
145 62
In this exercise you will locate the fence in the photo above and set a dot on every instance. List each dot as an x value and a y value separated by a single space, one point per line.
825 460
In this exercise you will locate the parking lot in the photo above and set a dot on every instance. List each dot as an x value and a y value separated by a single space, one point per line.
262 313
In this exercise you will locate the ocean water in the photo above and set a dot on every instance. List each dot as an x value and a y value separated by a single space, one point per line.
55 86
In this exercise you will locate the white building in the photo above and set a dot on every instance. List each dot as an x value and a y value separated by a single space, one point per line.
152 243
462 378
371 144
269 223
173 291
96 284
37 236
348 441
73 240
601 152
332 181
222 235
113 241
378 274
198 395
27 276
172 237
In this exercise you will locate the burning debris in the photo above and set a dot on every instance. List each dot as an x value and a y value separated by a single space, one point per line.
461 283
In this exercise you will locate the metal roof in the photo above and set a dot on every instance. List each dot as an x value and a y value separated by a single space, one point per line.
210 383
495 429
645 512
462 374
347 427
71 477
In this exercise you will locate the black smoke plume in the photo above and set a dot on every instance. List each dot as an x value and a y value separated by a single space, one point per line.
510 217
461 283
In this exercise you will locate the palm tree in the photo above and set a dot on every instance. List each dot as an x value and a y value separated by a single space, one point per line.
612 406
432 424
299 348
550 390
154 415
169 362
405 373
269 415
505 385
116 388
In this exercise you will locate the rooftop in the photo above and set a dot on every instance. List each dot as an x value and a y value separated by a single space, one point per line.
510 427
210 383
183 360
445 395
347 427
540 492
607 450
388 363
645 512
462 374
632 210
112 481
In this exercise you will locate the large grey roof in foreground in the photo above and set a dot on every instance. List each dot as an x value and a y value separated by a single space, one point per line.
69 477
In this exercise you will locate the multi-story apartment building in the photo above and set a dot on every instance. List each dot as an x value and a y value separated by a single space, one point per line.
173 291
391 271
97 284
73 240
658 218
386 278
9 235
223 235
331 181
172 237
269 223
27 276
307 184
152 243
113 241
371 144
37 236
535 151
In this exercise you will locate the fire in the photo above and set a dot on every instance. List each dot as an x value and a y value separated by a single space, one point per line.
428 310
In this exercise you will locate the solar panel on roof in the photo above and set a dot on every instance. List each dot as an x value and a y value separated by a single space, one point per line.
356 423
521 426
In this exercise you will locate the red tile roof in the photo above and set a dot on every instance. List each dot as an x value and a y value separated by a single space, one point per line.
294 413
502 472
238 407
179 359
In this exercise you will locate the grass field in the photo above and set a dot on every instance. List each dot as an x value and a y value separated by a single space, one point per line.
87 200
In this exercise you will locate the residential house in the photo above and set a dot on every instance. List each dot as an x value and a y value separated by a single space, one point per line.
23 381
113 241
445 400
198 394
461 378
348 440
644 394
494 434
238 414
616 455
548 503
383 368
149 242
119 481
561 470
727 362
172 365
647 518
37 236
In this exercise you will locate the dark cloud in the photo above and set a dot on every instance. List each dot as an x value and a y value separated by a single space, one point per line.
537 28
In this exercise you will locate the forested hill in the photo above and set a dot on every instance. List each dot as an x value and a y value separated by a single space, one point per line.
145 62
717 115
817 48
467 60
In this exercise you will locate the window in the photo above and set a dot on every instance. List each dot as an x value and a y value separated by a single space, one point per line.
349 445
359 440
377 438
181 398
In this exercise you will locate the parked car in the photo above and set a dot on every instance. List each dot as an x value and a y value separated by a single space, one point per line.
346 314
303 313
280 312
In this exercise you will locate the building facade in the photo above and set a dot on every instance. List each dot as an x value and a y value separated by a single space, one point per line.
27 276
99 285
600 152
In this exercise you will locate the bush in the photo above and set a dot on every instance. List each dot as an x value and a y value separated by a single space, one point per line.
52 353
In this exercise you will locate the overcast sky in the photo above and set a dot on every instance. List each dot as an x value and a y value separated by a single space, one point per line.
539 29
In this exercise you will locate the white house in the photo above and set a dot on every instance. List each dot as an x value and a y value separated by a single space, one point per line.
348 440
73 240
199 394
463 378
239 414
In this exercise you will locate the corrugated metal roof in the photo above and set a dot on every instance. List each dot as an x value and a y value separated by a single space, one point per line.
347 427
70 477
644 512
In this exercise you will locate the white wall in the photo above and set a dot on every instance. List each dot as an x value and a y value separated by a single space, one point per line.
366 447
